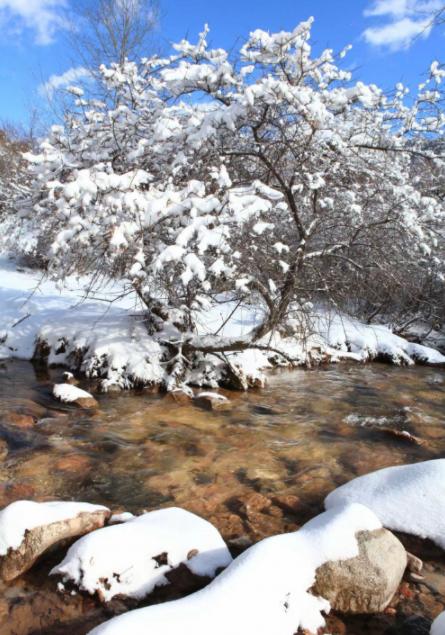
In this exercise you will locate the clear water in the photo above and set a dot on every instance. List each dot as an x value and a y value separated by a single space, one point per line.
304 434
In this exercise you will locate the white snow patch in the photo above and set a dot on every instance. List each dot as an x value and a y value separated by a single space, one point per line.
408 498
120 518
264 591
20 516
128 558
367 341
438 626
67 393
212 395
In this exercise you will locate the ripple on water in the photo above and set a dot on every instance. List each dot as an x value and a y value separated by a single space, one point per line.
307 432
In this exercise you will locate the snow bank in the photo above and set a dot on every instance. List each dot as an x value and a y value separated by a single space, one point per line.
22 516
408 498
69 393
131 558
264 591
368 341
438 626
110 342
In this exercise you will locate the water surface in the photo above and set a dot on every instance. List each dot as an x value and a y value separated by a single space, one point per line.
291 443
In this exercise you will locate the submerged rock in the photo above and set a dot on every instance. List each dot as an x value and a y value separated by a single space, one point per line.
413 625
368 582
19 420
3 450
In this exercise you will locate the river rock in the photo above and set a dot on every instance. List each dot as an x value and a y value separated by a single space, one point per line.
3 450
69 378
19 420
28 529
67 393
211 401
366 583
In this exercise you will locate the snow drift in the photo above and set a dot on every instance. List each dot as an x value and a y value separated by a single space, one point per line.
408 498
264 591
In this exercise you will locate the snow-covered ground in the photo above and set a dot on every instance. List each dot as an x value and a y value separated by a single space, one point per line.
114 344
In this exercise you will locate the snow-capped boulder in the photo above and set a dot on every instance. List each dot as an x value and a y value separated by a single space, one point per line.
132 558
408 498
69 378
28 529
68 393
264 591
368 582
211 401
438 626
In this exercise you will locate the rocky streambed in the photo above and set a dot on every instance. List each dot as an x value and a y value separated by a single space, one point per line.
260 466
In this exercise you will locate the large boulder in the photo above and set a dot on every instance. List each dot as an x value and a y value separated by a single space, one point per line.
368 582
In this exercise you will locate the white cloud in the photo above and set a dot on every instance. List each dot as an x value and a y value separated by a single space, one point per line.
404 20
56 82
43 17
398 34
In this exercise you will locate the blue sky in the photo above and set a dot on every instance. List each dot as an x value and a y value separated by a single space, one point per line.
32 47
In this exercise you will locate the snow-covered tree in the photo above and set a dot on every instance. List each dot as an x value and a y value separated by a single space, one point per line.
14 186
272 178
12 167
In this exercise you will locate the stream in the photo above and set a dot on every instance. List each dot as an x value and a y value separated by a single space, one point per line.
258 467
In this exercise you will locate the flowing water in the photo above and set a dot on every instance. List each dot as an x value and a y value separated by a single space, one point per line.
292 442
259 467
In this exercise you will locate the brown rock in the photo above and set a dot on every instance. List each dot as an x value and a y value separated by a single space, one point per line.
229 525
40 611
86 402
73 463
3 450
212 401
263 525
256 502
288 503
39 539
366 583
20 420
415 564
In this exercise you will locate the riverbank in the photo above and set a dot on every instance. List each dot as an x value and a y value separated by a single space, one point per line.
106 337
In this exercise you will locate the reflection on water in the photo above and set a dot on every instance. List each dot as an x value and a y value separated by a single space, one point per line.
292 442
